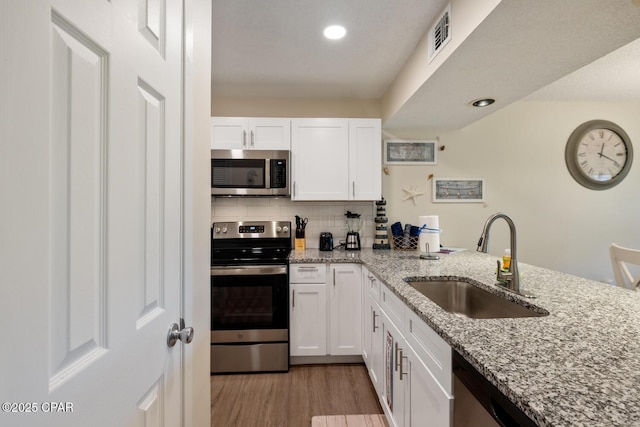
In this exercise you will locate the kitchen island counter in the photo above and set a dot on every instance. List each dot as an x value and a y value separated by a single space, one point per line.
578 366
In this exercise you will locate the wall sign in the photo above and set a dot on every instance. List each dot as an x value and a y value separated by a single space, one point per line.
458 190
397 152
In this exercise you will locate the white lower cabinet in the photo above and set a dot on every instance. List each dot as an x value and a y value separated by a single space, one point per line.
372 353
308 319
345 316
427 403
325 311
308 310
343 309
395 373
415 385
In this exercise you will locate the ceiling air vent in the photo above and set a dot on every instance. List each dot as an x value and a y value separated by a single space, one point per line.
440 33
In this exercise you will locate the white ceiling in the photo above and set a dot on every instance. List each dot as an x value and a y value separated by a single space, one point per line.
275 48
523 49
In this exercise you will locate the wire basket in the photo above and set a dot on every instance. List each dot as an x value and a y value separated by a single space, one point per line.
402 243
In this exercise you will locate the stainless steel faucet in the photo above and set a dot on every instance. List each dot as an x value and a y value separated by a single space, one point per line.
511 278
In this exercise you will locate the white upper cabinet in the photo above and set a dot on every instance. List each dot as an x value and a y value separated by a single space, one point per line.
250 133
320 159
365 159
336 159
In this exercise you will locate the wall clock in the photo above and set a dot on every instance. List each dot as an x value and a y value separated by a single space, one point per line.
598 154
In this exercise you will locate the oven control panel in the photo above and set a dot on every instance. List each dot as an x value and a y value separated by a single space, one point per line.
251 229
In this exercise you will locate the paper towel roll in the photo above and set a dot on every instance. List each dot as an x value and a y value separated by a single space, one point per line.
429 236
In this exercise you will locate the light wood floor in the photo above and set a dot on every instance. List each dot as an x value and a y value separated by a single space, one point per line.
291 399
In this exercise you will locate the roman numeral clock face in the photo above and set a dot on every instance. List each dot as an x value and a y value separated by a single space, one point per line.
598 154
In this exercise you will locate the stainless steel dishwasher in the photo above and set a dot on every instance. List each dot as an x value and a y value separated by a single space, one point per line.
479 403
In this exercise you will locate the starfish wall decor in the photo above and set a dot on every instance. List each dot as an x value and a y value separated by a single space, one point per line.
411 193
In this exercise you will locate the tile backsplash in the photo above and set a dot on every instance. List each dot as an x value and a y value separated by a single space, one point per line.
323 216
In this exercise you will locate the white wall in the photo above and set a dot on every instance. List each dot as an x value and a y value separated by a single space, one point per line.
295 107
519 151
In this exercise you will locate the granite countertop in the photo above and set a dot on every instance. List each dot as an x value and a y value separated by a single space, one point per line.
578 366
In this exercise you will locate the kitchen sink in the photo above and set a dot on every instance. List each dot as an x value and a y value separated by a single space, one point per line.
467 300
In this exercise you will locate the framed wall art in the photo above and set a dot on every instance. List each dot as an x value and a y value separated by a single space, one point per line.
458 190
401 152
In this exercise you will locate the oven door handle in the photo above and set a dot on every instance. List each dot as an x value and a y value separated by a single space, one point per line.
249 270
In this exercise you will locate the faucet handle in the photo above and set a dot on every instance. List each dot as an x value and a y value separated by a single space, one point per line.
502 276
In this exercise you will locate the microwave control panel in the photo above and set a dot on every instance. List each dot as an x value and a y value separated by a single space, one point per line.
278 173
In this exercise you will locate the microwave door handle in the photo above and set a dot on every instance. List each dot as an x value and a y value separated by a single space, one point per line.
267 172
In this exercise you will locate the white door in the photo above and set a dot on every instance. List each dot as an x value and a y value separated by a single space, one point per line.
365 159
308 319
266 133
395 374
320 159
229 133
345 302
91 212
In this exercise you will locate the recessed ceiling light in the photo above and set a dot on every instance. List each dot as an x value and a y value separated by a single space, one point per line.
483 102
335 32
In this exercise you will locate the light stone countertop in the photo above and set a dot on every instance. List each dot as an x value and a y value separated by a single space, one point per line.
578 366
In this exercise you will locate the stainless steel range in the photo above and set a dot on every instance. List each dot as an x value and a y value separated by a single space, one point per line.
250 296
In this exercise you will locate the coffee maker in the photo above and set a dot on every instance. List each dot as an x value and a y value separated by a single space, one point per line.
354 223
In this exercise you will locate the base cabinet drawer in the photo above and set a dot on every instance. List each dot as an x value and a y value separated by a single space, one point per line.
308 273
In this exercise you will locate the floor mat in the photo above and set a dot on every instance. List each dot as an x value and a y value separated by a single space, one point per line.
367 420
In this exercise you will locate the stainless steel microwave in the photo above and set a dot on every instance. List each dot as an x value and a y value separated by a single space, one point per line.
250 173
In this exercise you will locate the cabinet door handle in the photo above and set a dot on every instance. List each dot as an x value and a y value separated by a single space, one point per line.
294 189
334 278
251 139
373 320
293 299
398 364
353 186
244 138
308 268
402 356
